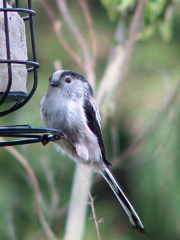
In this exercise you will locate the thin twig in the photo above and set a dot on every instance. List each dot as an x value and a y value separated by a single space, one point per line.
57 25
79 37
49 10
159 148
75 224
53 191
118 64
89 21
35 185
132 38
128 152
57 29
57 65
112 73
91 203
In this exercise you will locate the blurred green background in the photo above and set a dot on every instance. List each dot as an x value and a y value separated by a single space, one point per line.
150 176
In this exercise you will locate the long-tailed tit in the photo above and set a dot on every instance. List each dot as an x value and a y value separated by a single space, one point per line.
69 105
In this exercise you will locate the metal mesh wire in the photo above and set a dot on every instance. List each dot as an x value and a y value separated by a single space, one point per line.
31 65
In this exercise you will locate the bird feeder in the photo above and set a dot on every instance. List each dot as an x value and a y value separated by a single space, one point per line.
16 44
14 62
15 69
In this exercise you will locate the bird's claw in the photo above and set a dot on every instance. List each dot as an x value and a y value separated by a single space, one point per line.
53 137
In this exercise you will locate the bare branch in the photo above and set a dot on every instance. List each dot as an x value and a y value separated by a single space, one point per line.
94 215
75 225
57 29
117 68
53 191
107 87
49 10
57 25
132 38
128 152
57 65
35 185
80 39
91 29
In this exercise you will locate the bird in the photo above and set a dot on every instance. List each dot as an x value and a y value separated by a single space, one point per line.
69 105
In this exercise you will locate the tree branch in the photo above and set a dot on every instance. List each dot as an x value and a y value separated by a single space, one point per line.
117 68
89 21
75 225
79 37
133 148
91 203
57 25
34 182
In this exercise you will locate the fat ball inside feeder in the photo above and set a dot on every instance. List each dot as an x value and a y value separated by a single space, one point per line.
13 37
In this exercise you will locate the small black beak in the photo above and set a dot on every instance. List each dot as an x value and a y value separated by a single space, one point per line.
54 83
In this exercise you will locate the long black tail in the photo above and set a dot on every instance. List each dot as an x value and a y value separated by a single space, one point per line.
133 217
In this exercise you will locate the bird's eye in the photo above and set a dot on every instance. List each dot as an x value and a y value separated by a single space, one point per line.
68 80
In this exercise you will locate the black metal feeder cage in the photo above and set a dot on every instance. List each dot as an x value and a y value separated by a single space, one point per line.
14 70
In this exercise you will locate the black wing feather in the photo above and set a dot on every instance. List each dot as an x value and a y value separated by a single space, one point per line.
95 128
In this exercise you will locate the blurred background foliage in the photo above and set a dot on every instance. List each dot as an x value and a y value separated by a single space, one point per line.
150 176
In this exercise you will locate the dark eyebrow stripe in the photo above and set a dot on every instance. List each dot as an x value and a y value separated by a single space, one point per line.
73 74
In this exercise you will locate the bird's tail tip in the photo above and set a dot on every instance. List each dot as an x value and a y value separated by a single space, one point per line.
141 230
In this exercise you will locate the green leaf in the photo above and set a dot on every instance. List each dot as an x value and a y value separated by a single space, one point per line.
154 9
115 7
165 26
147 32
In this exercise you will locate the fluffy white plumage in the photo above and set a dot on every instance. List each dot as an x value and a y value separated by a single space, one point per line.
69 105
